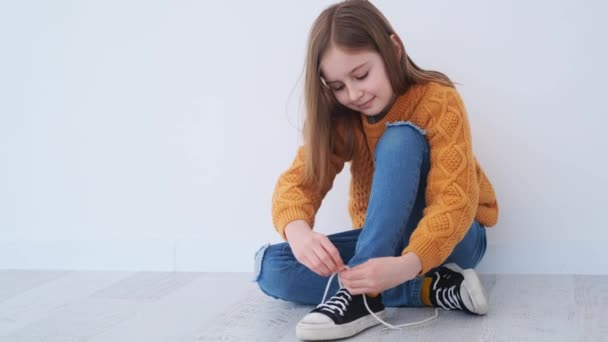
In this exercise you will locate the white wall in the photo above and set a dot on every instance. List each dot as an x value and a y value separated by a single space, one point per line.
148 135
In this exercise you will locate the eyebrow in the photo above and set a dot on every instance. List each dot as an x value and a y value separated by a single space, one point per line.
350 73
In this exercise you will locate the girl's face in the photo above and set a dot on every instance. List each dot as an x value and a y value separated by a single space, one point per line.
358 80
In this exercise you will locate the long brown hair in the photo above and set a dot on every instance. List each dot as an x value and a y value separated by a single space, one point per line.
356 25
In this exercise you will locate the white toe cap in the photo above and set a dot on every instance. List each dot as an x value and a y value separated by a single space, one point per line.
316 318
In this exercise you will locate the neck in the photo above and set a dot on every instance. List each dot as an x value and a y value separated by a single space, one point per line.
375 118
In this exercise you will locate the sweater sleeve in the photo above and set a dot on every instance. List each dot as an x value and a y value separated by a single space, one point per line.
452 191
292 200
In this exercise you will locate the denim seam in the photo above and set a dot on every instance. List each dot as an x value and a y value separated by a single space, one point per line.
407 123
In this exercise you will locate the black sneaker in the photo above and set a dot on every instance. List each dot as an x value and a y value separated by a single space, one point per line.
455 289
343 315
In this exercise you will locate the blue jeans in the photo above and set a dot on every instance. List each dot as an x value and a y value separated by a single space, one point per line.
395 207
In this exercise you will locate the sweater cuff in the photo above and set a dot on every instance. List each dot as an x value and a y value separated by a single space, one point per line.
290 215
426 249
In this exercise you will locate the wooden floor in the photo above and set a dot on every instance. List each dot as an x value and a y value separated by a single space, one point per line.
122 306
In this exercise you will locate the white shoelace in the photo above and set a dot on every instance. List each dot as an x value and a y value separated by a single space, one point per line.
448 299
332 305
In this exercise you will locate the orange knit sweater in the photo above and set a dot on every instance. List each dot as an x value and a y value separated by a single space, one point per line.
457 191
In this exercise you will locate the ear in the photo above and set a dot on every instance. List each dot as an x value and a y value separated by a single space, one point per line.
397 44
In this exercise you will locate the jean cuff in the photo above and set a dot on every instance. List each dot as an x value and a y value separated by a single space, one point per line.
415 299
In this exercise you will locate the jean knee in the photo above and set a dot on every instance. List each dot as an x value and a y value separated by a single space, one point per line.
257 270
257 262
471 250
272 264
402 135
479 249
483 245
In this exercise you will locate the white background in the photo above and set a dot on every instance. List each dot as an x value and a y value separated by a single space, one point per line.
149 135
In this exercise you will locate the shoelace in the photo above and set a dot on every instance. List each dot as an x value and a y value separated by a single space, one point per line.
338 299
449 301
447 298
332 305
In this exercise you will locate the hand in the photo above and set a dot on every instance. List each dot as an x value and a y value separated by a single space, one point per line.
313 250
379 274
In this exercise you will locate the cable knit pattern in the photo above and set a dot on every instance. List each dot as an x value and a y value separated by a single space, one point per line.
457 192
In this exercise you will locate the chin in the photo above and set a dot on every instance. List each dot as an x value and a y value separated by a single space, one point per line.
371 112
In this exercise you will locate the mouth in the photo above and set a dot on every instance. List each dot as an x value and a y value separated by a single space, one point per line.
366 104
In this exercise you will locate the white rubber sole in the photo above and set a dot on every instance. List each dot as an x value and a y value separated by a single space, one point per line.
316 332
474 288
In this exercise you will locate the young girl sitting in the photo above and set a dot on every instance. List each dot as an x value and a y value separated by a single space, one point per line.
419 200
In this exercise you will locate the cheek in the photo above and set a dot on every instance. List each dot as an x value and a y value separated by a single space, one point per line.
380 87
342 98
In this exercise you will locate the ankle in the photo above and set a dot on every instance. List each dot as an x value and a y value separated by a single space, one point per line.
425 291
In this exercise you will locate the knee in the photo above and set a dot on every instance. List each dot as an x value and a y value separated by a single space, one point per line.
267 270
483 244
402 137
258 259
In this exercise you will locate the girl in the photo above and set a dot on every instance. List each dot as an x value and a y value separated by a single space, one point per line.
419 199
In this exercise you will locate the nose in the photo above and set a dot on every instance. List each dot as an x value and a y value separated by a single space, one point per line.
354 94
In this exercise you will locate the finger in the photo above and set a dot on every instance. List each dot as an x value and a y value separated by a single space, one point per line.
358 290
333 252
357 283
325 258
344 271
317 266
357 273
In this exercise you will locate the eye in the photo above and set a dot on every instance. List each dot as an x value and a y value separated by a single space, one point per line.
362 77
359 78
